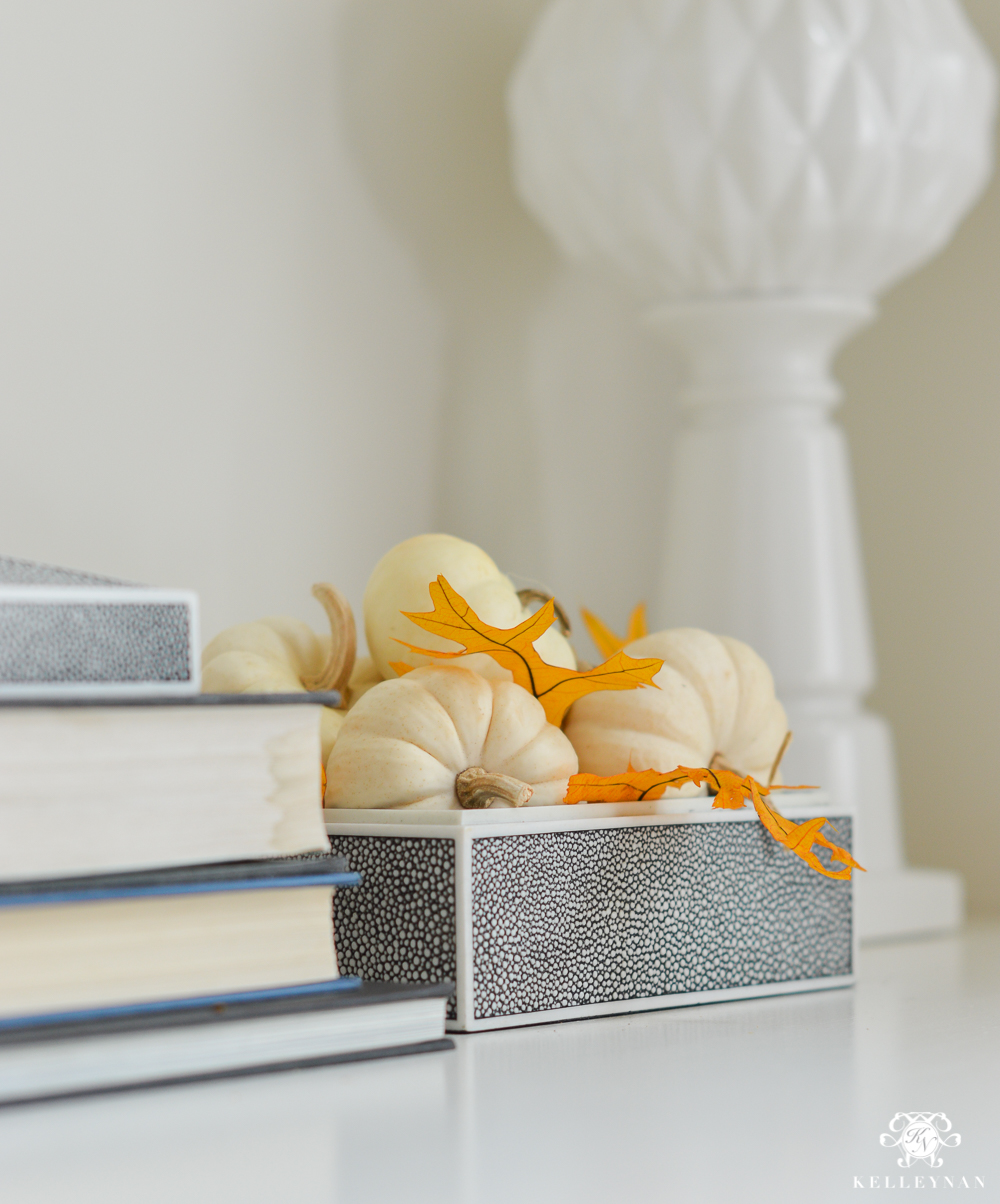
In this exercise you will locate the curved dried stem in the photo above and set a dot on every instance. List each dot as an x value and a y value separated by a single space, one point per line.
777 760
476 789
343 641
527 596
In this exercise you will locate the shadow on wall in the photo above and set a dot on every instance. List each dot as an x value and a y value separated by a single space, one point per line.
548 378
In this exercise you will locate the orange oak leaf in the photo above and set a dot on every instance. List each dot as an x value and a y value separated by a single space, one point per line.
401 667
732 792
637 623
629 787
556 689
607 642
800 838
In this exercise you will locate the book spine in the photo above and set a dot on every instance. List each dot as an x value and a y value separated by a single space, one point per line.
68 641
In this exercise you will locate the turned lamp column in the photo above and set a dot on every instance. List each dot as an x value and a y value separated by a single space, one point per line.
761 539
758 170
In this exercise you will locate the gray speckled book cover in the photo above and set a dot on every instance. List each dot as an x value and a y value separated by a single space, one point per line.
67 633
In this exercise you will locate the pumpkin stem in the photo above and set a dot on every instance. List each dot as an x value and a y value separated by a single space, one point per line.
343 641
527 596
777 760
476 789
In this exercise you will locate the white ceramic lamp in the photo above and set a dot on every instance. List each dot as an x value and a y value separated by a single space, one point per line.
759 170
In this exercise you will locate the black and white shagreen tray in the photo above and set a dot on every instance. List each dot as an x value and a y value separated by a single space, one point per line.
555 913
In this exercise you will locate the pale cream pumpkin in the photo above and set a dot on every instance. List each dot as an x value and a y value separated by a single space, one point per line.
285 656
364 675
445 737
715 706
399 583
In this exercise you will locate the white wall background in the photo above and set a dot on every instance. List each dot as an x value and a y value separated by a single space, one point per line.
268 305
219 366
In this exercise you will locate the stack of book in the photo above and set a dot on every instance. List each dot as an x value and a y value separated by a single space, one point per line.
165 879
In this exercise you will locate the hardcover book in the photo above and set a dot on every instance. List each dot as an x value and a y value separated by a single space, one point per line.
218 1036
91 787
79 943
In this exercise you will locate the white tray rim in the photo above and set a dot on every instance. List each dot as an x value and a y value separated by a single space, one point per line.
652 1003
501 820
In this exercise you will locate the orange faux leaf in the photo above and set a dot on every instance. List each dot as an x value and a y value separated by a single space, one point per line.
605 639
637 624
800 838
732 792
629 787
556 689
401 667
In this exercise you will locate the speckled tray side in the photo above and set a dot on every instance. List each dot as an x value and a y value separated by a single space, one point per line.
399 925
591 917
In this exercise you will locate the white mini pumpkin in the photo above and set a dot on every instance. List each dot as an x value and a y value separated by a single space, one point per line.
715 705
285 656
399 583
443 734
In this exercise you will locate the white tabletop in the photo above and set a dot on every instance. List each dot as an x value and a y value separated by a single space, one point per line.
771 1100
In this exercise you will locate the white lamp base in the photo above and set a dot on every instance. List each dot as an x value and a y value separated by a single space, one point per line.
907 902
